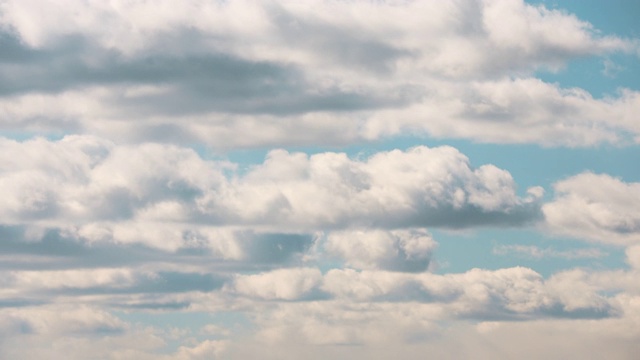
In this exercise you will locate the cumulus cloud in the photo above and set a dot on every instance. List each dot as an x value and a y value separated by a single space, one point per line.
513 293
372 310
300 252
281 284
595 207
504 293
447 69
356 308
99 191
400 250
378 307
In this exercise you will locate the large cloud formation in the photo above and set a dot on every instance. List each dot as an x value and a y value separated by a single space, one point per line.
127 233
86 180
248 73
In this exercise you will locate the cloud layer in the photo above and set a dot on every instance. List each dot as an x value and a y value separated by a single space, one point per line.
126 233
247 73
98 186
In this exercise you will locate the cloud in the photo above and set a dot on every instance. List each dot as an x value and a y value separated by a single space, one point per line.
399 250
63 320
595 207
505 294
327 79
536 252
633 256
481 294
281 284
356 308
347 39
206 350
165 196
120 238
374 321
80 332
206 248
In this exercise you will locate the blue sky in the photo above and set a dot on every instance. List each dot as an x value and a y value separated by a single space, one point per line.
319 179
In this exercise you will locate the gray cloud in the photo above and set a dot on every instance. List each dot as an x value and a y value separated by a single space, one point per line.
192 83
337 43
55 249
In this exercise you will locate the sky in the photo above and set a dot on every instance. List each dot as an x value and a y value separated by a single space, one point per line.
210 179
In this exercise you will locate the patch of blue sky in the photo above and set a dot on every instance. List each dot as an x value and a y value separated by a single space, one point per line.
460 251
530 165
19 135
601 76
612 16
193 321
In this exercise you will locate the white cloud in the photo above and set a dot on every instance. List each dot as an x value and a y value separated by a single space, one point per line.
595 207
156 194
512 293
403 250
301 255
357 308
537 35
63 320
281 284
445 70
415 326
71 279
633 256
206 350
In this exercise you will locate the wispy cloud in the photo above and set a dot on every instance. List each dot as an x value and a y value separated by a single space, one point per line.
536 252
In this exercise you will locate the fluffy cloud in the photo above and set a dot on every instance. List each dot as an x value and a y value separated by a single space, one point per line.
355 308
390 30
403 250
512 293
98 191
446 69
282 284
144 248
596 207
587 305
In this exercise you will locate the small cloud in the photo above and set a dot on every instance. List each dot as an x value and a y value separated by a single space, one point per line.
611 69
595 207
538 253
